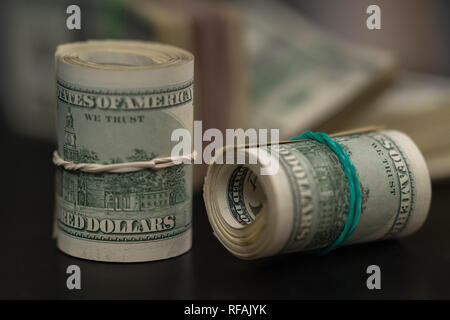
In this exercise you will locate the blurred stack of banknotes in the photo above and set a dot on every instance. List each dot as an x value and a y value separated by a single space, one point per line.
261 64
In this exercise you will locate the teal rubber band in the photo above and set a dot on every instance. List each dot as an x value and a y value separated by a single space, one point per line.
353 184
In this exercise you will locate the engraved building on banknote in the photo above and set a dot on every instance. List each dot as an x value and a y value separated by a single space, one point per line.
71 152
134 191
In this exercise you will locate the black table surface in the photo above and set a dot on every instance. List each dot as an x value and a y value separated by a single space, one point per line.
32 267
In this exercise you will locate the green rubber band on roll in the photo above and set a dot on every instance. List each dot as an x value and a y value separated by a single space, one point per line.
353 185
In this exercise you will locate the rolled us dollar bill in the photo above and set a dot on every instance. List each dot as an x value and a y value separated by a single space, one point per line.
118 103
303 203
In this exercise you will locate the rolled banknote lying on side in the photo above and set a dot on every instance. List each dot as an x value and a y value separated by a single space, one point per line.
302 204
118 103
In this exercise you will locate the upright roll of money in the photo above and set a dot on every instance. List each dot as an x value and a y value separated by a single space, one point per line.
119 196
303 203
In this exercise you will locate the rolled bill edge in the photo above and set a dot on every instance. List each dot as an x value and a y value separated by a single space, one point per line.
128 68
271 231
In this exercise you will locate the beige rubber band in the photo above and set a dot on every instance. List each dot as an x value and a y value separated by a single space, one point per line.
155 164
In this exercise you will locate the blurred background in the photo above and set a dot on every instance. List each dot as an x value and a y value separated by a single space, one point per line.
294 65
